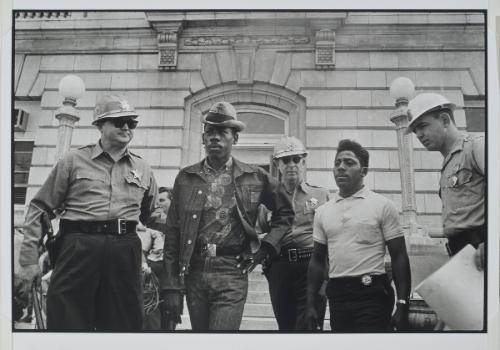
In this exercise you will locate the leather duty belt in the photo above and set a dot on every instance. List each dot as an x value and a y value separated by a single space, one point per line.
115 227
295 255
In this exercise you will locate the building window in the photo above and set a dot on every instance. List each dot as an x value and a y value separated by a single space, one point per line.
475 115
23 152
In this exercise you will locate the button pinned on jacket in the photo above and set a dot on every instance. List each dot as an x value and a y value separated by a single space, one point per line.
200 192
189 241
195 216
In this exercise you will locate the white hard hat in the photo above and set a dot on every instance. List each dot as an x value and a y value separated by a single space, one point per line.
288 146
425 103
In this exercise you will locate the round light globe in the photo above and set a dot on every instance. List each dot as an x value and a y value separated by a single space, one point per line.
71 86
402 87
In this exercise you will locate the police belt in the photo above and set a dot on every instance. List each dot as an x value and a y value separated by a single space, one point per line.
293 255
213 250
356 282
117 227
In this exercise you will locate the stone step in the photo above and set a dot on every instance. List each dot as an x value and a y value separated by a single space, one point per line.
258 297
258 310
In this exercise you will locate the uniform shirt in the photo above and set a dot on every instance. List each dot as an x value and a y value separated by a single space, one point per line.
90 186
462 185
220 222
356 229
305 199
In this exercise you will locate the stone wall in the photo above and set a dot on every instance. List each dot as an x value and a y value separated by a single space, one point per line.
265 59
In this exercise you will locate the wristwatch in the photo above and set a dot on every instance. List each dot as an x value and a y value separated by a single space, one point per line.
403 301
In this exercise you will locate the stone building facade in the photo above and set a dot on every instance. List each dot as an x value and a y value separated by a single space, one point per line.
319 76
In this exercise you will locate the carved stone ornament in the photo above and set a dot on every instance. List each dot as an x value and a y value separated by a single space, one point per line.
238 40
325 49
167 50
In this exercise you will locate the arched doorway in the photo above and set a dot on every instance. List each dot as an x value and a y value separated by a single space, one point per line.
268 111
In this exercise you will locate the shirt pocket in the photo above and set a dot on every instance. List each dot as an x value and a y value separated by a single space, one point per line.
458 179
367 232
136 187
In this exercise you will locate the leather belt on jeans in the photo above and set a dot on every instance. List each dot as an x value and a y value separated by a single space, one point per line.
213 250
365 280
296 254
114 227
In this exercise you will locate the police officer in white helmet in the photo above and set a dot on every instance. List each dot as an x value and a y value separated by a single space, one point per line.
462 184
103 191
287 272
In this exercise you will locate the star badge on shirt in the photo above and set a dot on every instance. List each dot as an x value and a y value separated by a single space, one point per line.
137 175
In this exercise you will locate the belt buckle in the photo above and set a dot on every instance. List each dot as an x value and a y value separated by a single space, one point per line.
366 280
292 255
122 226
211 250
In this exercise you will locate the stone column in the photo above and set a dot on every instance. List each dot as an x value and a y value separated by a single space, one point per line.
67 116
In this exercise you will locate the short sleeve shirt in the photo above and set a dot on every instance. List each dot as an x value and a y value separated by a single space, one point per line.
355 230
462 185
305 200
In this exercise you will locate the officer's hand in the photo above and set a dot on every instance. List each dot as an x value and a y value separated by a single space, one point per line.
27 274
479 257
400 318
172 305
311 319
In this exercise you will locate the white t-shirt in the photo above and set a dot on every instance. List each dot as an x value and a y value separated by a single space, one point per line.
355 230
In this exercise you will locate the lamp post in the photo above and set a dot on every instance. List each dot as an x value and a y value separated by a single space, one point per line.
402 90
72 88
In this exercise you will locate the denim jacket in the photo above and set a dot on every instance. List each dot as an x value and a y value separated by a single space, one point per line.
254 186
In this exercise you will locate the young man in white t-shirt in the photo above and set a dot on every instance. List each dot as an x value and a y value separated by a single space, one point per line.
353 230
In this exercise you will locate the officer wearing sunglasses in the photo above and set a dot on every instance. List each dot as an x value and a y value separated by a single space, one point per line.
103 190
287 272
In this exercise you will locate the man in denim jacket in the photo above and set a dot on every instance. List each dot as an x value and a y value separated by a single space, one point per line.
210 243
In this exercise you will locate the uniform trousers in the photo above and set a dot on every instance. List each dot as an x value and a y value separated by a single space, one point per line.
96 284
216 291
288 290
459 240
355 307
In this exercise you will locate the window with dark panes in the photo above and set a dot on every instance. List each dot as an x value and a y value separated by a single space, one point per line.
475 115
23 152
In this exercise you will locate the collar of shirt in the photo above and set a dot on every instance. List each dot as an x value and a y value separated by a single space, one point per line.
97 151
226 167
457 147
362 193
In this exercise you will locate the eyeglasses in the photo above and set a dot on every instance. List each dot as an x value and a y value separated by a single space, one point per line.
120 122
295 159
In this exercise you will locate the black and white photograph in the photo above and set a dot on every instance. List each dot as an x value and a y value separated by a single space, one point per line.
252 172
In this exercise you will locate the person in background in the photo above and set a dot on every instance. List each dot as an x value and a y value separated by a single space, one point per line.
287 273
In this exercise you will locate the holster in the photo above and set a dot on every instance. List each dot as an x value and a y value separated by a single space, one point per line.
53 242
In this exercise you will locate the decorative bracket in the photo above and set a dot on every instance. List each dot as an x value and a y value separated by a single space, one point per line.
168 39
167 50
325 49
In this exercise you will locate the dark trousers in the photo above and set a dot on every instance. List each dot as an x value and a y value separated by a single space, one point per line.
355 307
216 291
96 284
157 320
459 240
288 290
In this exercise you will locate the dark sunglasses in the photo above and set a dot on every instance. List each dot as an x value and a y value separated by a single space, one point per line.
295 159
120 122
